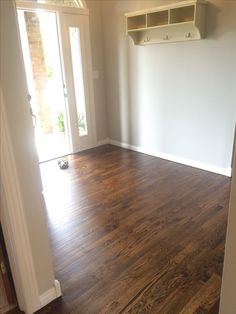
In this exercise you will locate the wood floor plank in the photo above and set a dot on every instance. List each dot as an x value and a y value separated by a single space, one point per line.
131 233
206 297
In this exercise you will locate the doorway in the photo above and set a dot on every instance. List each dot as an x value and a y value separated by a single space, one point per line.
55 47
40 45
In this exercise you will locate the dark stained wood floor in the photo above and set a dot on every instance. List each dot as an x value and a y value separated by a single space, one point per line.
132 233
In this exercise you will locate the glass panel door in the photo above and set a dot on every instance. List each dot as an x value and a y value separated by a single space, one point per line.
41 51
76 52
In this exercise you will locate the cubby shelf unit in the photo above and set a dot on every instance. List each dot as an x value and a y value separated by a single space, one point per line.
179 21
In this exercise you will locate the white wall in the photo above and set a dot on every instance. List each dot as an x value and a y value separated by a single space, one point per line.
96 38
17 109
228 290
175 98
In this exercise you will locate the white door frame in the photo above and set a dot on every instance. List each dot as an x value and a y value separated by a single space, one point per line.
228 286
88 77
14 223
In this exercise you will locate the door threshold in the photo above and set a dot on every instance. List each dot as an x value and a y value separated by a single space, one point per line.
54 158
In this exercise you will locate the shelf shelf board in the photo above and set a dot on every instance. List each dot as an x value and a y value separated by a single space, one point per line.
183 23
137 29
160 26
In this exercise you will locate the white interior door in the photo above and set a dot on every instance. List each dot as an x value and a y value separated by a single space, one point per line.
78 77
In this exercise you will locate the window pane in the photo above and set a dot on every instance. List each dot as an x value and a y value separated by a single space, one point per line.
68 3
78 79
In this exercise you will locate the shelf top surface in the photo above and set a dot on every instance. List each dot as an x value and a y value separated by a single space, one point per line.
166 7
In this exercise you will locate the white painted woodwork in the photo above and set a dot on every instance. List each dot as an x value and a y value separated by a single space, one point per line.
181 21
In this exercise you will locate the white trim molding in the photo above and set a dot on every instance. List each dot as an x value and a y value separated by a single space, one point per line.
15 229
50 295
184 161
14 224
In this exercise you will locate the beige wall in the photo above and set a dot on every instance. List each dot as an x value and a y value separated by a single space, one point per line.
228 292
13 84
175 98
96 37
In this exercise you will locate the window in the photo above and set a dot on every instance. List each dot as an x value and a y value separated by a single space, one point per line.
68 3
78 79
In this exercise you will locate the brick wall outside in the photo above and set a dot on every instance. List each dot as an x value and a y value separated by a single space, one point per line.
39 69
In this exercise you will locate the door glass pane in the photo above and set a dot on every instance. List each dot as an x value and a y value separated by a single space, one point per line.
39 38
78 80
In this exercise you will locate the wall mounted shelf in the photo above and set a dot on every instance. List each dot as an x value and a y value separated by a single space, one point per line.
180 21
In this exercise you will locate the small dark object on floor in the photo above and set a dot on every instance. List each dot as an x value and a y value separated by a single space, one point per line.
63 164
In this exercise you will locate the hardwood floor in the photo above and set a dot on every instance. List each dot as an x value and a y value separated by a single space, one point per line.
132 233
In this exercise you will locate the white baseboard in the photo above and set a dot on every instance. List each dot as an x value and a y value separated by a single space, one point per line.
188 162
50 295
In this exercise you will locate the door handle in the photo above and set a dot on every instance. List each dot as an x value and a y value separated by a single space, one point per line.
65 90
34 117
31 111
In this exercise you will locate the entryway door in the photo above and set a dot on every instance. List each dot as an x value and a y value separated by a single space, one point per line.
61 84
